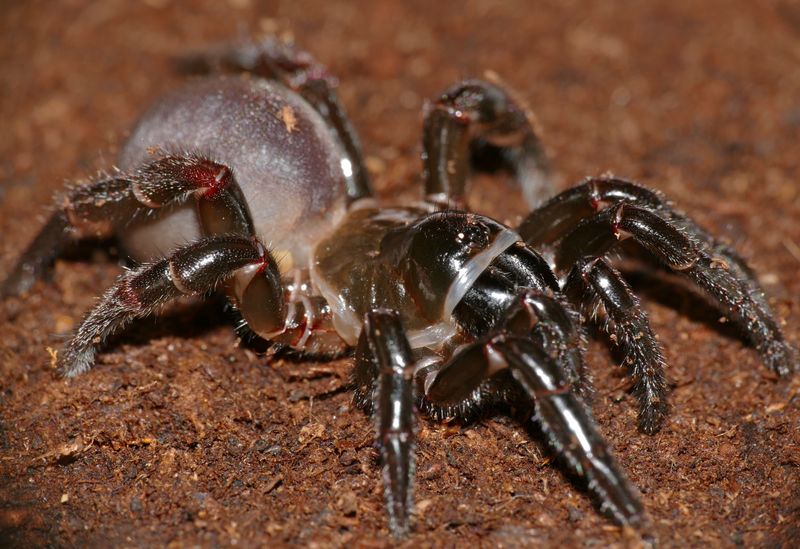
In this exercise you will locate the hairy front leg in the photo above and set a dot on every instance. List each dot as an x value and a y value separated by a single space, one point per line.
191 270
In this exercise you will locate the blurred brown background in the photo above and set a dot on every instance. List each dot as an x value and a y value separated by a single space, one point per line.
181 437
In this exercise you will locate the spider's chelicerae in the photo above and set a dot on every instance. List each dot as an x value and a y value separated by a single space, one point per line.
255 186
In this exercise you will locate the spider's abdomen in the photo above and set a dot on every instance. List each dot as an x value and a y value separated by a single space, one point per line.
286 161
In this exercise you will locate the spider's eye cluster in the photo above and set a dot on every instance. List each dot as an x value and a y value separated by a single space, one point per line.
474 235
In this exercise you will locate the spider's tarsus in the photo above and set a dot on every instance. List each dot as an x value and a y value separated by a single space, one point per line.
397 453
780 357
76 362
652 415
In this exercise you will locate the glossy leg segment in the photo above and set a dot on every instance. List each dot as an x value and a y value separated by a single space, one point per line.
554 219
476 118
484 306
93 209
555 327
594 284
193 269
222 208
526 268
570 428
298 70
783 358
98 206
385 368
685 256
519 292
454 388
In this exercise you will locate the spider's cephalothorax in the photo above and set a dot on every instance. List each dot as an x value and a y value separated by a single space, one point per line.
255 186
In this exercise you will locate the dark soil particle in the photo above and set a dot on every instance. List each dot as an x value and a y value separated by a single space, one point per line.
181 437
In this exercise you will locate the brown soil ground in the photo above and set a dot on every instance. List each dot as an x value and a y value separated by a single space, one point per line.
181 437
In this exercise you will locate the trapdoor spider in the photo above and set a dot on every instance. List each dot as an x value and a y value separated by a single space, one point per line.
253 184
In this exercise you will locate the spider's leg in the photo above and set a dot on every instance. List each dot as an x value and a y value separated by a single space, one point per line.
35 261
474 374
191 270
473 120
556 327
555 219
595 282
518 290
298 70
95 208
570 428
681 253
73 217
453 388
724 253
385 369
559 215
